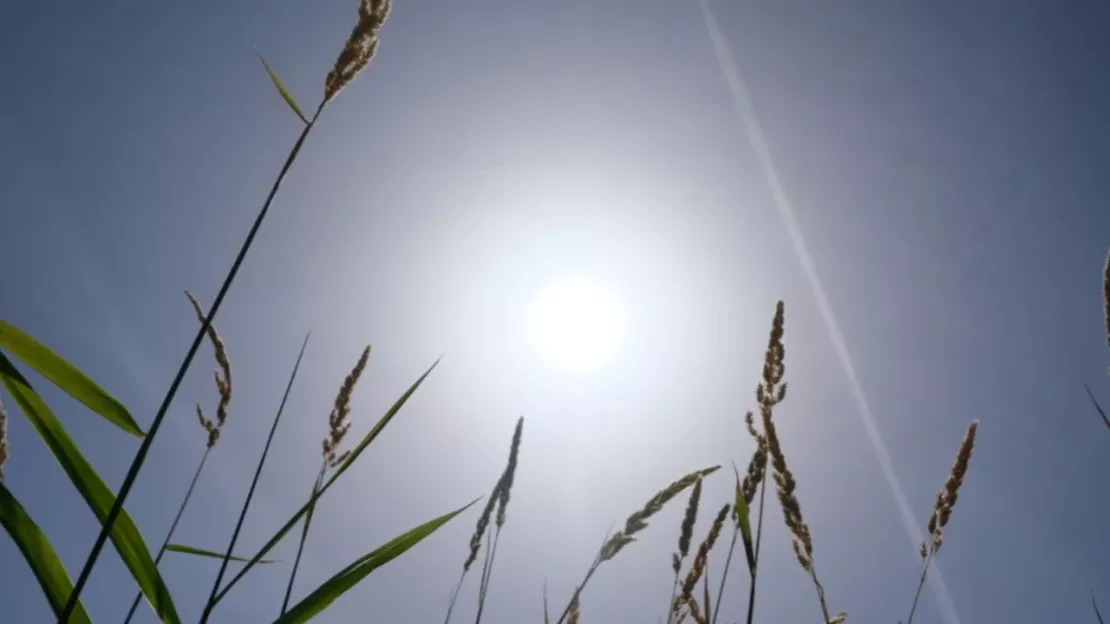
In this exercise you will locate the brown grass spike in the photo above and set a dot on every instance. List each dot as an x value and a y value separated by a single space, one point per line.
360 46
338 420
222 377
701 560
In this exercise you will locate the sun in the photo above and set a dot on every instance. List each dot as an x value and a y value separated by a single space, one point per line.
577 323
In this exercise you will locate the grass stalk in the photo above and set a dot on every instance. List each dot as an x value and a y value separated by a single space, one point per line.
173 528
254 483
304 536
160 415
920 585
758 543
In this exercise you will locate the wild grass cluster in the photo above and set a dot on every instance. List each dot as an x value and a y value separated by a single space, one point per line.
694 596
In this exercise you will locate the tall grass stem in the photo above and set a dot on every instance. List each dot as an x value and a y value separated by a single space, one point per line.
304 535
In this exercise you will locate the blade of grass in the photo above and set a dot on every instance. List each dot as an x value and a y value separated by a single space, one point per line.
546 617
304 536
144 448
343 466
282 90
39 555
173 528
66 377
743 522
185 549
1095 605
254 483
349 577
1097 406
125 536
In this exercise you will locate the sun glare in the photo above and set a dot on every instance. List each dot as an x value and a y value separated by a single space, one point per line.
577 323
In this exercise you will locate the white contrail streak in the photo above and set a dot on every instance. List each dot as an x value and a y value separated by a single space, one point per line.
731 74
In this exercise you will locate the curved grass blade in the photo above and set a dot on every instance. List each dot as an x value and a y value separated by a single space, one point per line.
744 523
1097 406
125 536
66 376
185 549
282 90
40 556
351 457
352 575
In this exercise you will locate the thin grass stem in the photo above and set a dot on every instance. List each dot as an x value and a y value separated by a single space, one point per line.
920 585
144 448
304 535
254 483
758 543
173 528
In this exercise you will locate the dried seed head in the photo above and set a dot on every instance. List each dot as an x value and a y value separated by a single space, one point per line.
574 614
688 521
839 618
506 483
638 520
772 390
222 376
3 440
946 499
360 47
701 560
338 421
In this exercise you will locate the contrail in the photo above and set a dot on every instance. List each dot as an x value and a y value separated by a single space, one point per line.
731 74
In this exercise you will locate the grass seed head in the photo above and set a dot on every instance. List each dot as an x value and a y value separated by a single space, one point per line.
505 485
338 420
688 521
638 520
575 612
701 561
360 46
946 499
222 377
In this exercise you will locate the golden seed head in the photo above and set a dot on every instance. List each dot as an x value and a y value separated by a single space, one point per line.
688 521
222 375
701 560
338 420
360 46
638 520
946 499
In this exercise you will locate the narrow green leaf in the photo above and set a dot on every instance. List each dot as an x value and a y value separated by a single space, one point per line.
125 536
1095 605
1097 406
282 90
185 549
546 617
743 522
351 457
66 376
40 556
353 574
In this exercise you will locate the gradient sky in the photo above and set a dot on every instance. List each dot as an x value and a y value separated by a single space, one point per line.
946 162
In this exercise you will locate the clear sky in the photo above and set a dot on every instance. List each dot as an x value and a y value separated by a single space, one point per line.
946 162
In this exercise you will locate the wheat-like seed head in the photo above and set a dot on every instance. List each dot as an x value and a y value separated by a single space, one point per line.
638 520
693 609
575 612
946 499
687 529
506 484
3 440
222 377
701 560
498 498
360 46
338 420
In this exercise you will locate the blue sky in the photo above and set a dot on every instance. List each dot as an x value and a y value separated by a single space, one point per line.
945 163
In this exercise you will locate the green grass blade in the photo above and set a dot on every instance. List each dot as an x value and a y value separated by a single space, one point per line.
40 556
546 617
185 549
1097 406
352 575
743 522
1095 605
66 376
282 90
354 454
124 535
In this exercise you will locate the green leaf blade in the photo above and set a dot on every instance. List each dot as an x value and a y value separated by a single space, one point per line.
66 377
351 457
282 90
40 556
185 549
346 579
125 535
743 522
